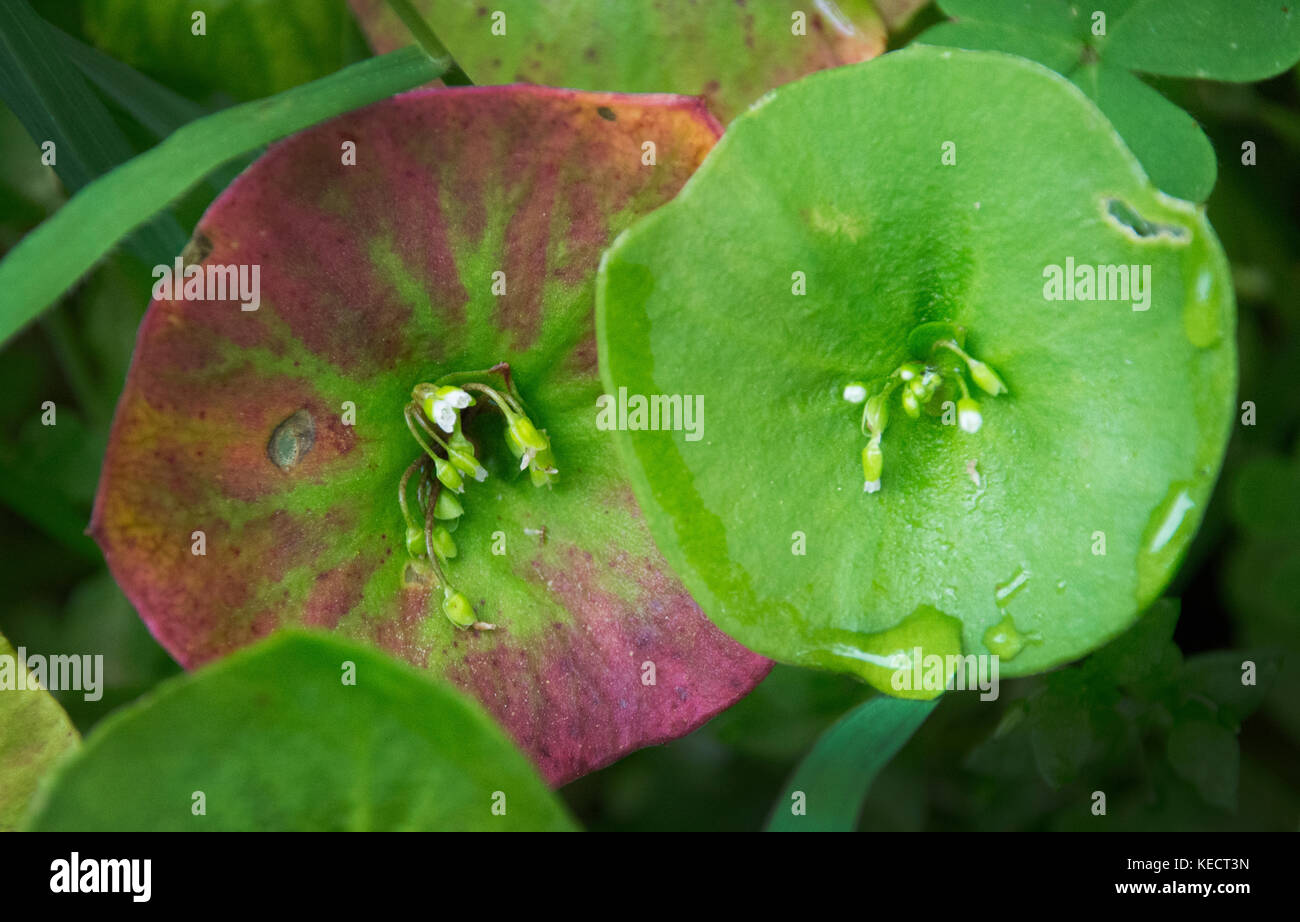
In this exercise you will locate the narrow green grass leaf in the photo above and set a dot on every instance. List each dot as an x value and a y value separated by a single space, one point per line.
835 776
49 260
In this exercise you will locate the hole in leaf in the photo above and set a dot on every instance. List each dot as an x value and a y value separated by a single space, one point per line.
196 250
1119 212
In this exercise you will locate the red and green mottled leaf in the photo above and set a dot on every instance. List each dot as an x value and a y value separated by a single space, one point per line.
729 52
375 277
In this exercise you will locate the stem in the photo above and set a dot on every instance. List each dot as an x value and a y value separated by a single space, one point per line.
419 29
951 345
76 369
496 397
413 417
434 557
401 491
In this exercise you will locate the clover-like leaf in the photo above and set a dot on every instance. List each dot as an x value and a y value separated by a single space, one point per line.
1098 44
301 732
34 733
964 189
730 53
252 477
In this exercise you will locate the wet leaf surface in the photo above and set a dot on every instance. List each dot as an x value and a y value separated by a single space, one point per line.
1038 537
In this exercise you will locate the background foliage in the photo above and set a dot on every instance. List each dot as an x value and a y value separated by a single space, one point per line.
1156 719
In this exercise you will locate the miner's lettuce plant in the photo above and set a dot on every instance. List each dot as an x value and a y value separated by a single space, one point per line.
923 435
1038 536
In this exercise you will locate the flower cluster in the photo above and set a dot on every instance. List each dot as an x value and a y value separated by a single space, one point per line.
936 373
434 416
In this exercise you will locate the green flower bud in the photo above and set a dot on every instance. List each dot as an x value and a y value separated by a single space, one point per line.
526 434
873 463
911 406
909 370
925 386
457 608
449 476
461 454
415 541
878 412
986 378
447 506
443 544
542 471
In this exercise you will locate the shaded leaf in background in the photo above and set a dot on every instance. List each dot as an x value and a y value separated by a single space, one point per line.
49 96
375 277
836 775
1134 715
34 733
1262 573
1115 421
49 260
252 48
276 739
94 619
730 53
1211 39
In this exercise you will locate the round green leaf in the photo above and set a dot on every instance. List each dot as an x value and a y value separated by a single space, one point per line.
301 732
1038 537
730 53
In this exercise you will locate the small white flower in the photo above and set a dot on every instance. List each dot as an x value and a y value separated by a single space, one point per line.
444 414
447 405
855 393
457 398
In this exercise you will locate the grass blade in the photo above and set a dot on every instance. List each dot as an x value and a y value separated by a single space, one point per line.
158 109
153 105
48 261
54 104
836 775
